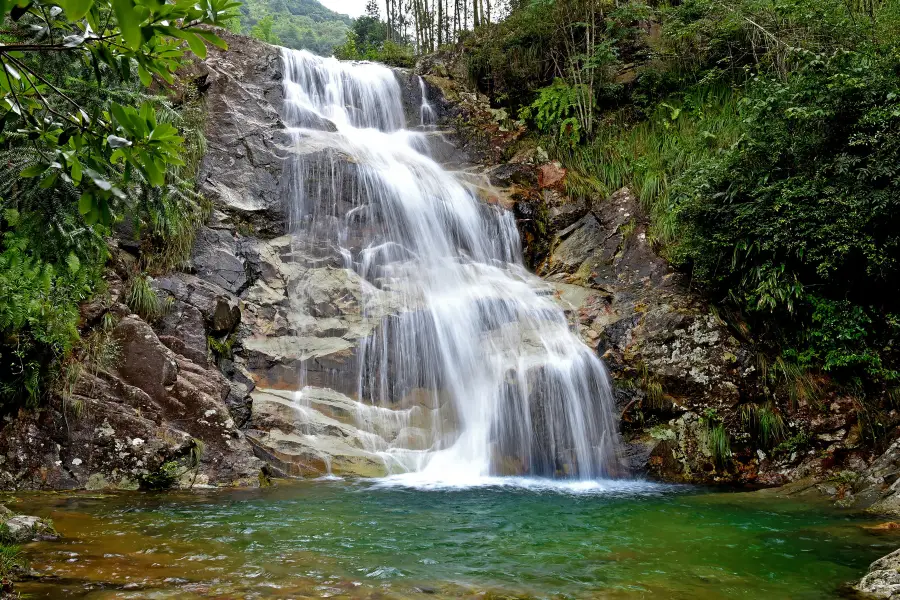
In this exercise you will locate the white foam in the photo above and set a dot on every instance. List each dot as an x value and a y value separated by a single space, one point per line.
598 487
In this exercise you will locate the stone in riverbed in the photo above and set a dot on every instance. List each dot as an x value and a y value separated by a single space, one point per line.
883 578
21 529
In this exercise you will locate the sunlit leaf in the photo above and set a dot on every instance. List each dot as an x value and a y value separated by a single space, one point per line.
75 9
129 22
34 170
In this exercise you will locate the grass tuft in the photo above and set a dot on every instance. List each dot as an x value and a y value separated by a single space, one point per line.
143 299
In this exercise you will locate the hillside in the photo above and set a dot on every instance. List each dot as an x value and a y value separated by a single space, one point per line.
300 24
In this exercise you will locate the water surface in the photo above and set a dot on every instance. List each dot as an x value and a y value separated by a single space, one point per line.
392 539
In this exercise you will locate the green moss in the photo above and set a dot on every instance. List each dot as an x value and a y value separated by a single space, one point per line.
221 348
163 478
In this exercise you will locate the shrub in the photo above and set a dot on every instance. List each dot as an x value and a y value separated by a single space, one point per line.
717 438
163 478
799 222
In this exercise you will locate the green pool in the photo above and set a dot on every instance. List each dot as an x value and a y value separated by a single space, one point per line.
522 539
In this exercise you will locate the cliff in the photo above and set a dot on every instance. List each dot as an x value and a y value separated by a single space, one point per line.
204 395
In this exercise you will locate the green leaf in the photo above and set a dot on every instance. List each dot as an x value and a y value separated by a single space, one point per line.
73 263
48 181
125 68
92 216
86 203
211 38
145 76
196 44
75 171
95 63
75 9
122 118
129 22
34 170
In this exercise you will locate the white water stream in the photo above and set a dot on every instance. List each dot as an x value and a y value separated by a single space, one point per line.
471 335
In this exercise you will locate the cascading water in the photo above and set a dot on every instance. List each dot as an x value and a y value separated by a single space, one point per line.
471 352
426 111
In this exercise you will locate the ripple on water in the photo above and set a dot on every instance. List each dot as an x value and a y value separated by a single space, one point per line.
517 537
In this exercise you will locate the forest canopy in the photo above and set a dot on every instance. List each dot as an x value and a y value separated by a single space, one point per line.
298 24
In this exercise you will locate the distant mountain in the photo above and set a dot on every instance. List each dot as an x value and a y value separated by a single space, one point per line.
300 24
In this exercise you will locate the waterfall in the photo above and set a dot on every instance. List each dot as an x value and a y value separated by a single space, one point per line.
471 358
426 111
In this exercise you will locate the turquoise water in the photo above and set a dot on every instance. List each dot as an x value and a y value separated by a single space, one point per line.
382 540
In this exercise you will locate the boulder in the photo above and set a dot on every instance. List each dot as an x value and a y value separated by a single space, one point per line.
21 529
882 579
144 363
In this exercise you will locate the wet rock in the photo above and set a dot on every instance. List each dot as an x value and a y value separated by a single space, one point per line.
301 440
883 578
215 259
21 529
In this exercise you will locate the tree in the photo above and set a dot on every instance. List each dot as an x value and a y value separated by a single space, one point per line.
369 30
99 151
82 147
263 31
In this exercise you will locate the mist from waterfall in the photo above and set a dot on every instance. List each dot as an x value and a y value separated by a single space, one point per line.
473 361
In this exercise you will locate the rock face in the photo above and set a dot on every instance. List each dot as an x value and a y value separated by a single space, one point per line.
163 412
121 425
677 361
875 488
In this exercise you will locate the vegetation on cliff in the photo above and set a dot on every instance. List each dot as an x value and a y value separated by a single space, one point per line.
96 136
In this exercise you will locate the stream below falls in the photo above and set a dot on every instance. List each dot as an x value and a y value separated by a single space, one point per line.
507 538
